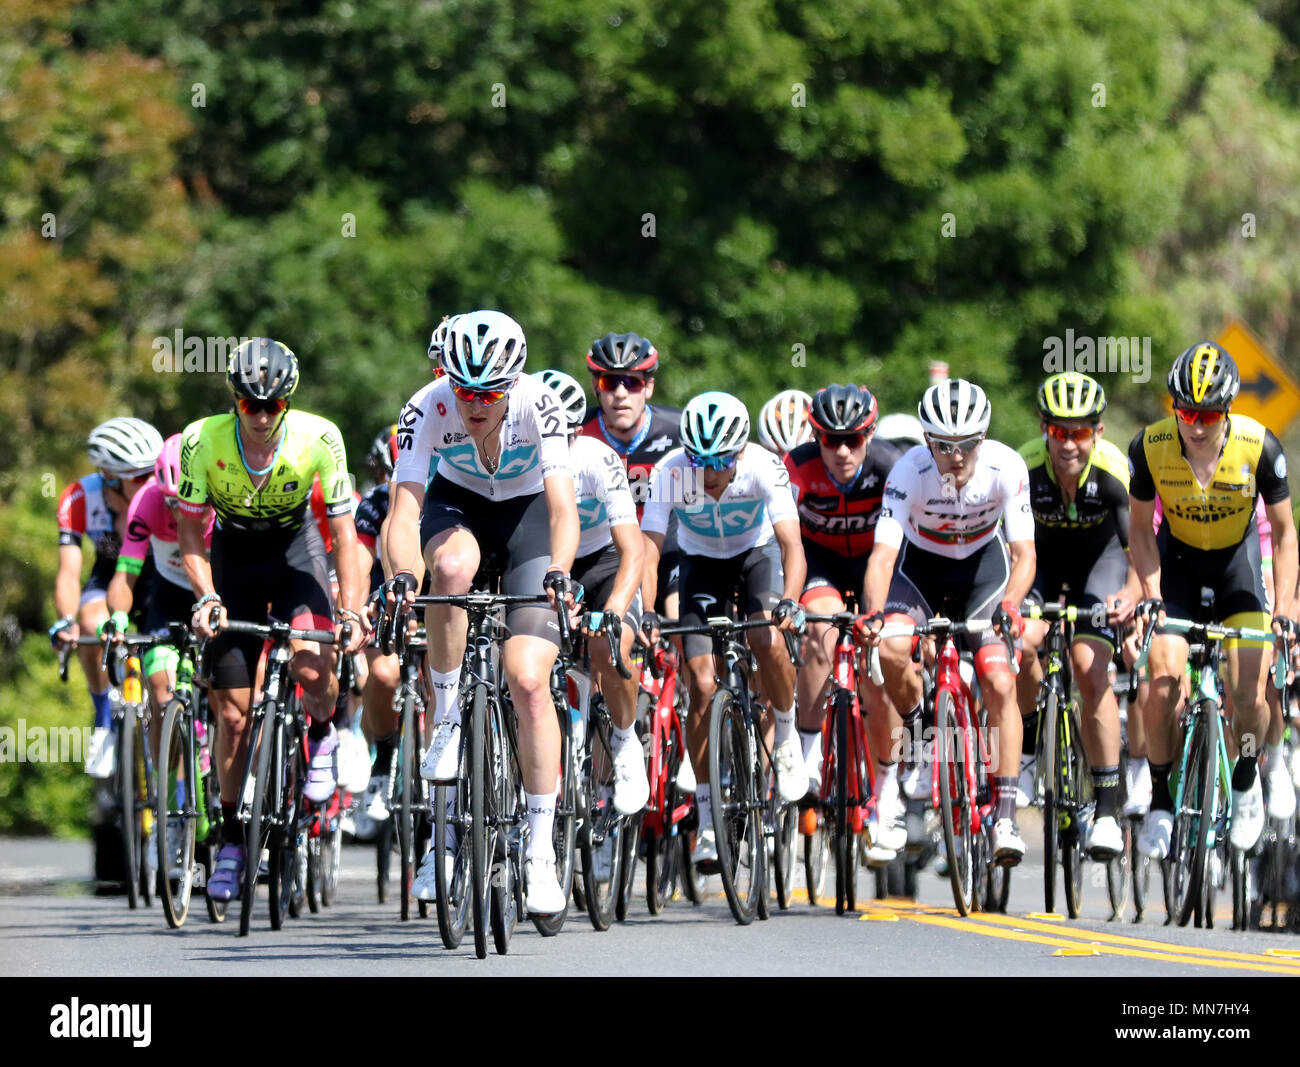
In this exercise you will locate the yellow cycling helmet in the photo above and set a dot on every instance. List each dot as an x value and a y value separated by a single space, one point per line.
1071 396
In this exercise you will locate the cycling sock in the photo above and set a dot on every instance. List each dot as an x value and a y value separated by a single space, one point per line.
704 806
103 710
446 695
912 723
619 737
541 823
811 742
231 828
383 754
1006 791
1276 758
1243 774
318 731
1105 786
784 725
886 779
1160 798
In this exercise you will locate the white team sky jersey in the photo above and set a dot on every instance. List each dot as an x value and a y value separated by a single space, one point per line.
758 496
431 436
952 522
604 496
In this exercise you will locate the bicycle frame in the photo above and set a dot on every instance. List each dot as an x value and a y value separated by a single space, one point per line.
844 685
666 729
1205 687
948 679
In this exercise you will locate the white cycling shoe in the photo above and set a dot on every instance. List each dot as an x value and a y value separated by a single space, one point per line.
425 885
1008 845
631 786
1247 816
1157 830
1026 789
706 846
545 897
102 754
791 776
1105 839
442 761
375 803
1138 801
1281 791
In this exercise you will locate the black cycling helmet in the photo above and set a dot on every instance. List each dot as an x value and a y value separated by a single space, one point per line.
627 352
262 369
843 409
383 453
1204 378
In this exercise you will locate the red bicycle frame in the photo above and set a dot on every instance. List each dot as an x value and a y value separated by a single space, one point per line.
947 677
665 729
844 675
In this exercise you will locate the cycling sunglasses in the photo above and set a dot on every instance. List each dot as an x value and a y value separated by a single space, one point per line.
487 397
965 445
833 441
713 463
255 407
1208 418
609 383
1078 434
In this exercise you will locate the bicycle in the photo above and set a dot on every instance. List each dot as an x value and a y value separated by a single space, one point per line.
320 856
848 769
1061 765
742 793
961 788
1130 870
1275 868
188 796
277 774
1203 796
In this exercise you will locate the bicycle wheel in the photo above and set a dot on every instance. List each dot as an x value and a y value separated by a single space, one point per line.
177 803
631 846
405 815
662 847
787 829
315 874
1118 874
286 878
737 820
1139 872
816 848
1193 869
453 903
480 771
564 830
1047 767
954 803
1072 768
1240 888
600 840
125 788
211 792
842 840
333 850
508 808
257 829
144 810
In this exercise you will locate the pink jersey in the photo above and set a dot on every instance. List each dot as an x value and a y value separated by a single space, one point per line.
151 524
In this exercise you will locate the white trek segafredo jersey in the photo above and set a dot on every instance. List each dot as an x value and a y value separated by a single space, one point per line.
431 436
604 496
758 496
938 517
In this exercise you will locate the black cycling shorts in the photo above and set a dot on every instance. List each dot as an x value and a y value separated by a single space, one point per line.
829 571
926 584
168 602
514 536
708 584
596 574
261 575
1234 575
1086 584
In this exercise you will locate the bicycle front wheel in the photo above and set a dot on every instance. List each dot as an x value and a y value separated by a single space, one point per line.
257 829
737 816
126 805
1046 767
178 802
409 769
1193 825
1072 770
480 777
563 831
842 838
954 802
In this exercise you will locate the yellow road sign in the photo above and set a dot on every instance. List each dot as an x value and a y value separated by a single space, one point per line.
1268 392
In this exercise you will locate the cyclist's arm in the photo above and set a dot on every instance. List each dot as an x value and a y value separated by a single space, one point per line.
562 506
1024 559
895 505
194 557
400 537
631 557
652 545
343 534
880 572
121 591
1285 566
1143 551
67 582
793 562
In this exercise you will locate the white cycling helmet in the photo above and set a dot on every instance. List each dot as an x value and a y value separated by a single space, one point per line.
124 446
714 425
438 339
954 408
901 429
572 399
783 422
484 350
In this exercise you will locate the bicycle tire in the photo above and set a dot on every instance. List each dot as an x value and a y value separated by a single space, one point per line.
734 796
333 850
602 829
1139 873
409 769
784 863
1046 767
315 880
662 847
953 790
175 741
564 828
1204 760
507 876
842 841
259 752
453 903
1118 873
1071 763
481 860
815 850
144 809
631 846
283 869
212 843
1240 888
126 806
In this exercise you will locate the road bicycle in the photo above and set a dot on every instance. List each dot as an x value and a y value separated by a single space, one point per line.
746 805
1130 871
961 786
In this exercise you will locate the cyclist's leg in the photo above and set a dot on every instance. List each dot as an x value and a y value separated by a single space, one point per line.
819 598
908 600
91 612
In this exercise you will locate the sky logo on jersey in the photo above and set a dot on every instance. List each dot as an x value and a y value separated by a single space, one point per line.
514 461
591 513
725 519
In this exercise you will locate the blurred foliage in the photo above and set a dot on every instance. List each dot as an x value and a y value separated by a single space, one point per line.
794 192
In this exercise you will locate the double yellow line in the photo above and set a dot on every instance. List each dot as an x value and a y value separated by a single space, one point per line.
1080 941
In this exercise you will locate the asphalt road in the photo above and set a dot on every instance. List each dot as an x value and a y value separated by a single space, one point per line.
51 924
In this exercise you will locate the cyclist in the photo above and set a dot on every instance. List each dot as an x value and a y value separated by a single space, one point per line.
956 529
623 368
502 487
255 467
608 566
838 480
783 421
1207 467
124 450
1078 489
737 527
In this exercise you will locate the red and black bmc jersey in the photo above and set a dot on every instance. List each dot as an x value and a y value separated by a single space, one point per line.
660 435
842 520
